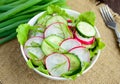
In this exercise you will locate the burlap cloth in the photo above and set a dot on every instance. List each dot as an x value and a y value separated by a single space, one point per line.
13 69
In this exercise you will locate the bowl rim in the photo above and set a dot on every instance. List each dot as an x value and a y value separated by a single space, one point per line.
32 22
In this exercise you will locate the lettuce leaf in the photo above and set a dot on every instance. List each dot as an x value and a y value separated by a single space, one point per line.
22 33
30 65
51 10
43 70
85 65
40 68
88 17
98 46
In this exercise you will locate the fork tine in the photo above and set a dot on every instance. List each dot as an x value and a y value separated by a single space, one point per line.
103 15
107 15
108 10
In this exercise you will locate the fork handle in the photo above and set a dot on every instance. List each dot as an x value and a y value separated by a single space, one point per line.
118 35
118 41
117 32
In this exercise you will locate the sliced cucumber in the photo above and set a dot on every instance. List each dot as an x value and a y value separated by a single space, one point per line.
75 63
67 32
86 29
54 29
43 19
56 19
57 64
33 47
36 32
50 44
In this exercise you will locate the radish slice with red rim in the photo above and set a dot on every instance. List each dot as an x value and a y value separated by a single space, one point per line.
87 41
69 43
82 53
57 64
54 28
32 46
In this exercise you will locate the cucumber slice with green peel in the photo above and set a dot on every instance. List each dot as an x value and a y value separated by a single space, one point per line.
36 32
57 64
75 63
54 28
33 47
56 19
85 29
50 44
67 32
43 19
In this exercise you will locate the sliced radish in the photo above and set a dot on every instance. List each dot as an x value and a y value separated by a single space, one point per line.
69 43
69 21
87 41
33 46
82 53
57 64
54 28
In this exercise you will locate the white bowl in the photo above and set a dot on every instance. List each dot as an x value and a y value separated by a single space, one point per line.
72 13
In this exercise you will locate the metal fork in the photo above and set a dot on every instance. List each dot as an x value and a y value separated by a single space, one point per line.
109 20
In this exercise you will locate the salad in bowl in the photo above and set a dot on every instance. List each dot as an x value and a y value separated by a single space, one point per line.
60 44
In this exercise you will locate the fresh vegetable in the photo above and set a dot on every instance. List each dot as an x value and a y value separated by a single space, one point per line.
56 19
83 40
82 53
33 47
86 29
4 34
61 51
75 64
18 9
98 44
50 44
60 64
23 31
54 28
11 21
15 12
8 38
84 18
69 43
12 26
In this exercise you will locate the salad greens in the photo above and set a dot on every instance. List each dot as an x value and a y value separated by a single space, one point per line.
23 31
97 46
84 17
34 62
53 42
52 10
